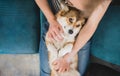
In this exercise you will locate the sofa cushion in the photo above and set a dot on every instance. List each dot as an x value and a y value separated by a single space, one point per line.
19 26
106 40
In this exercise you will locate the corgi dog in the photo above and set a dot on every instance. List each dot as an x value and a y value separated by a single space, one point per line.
72 22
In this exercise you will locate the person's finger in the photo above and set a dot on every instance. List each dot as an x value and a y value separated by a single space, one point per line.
52 33
60 70
67 69
50 37
55 62
56 67
60 29
63 70
58 35
54 36
55 32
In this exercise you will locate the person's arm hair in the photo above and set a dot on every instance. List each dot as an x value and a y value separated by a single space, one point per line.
44 6
88 30
55 29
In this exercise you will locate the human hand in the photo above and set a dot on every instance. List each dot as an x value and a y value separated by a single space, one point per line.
55 31
62 64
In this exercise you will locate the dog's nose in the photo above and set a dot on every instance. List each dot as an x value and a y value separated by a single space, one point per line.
70 31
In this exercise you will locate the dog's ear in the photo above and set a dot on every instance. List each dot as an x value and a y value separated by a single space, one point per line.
63 6
83 21
62 13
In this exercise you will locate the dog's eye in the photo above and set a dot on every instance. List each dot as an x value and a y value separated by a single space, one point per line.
78 25
70 20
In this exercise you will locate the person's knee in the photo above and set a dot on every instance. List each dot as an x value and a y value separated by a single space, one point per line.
44 73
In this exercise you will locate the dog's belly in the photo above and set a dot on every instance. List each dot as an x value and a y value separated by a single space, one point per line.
59 49
58 45
61 44
63 47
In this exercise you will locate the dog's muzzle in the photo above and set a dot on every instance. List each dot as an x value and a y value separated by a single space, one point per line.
70 31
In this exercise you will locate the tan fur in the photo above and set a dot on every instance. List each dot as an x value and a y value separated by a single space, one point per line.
69 18
67 43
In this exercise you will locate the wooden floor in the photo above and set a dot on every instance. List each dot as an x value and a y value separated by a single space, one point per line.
19 65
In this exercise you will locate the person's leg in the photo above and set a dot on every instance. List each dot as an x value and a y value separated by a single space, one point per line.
83 55
83 58
44 65
42 73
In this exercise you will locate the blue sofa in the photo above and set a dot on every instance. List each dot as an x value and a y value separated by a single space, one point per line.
20 22
19 38
19 27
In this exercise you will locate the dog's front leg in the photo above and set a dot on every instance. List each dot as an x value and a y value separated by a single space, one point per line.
66 49
73 66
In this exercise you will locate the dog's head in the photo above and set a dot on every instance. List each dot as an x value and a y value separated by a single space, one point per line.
71 20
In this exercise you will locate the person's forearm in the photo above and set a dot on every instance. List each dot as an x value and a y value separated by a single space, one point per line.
44 6
90 27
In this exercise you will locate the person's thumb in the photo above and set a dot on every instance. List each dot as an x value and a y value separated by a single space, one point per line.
61 29
54 63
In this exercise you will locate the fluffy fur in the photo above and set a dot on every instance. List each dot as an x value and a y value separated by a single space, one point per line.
71 22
